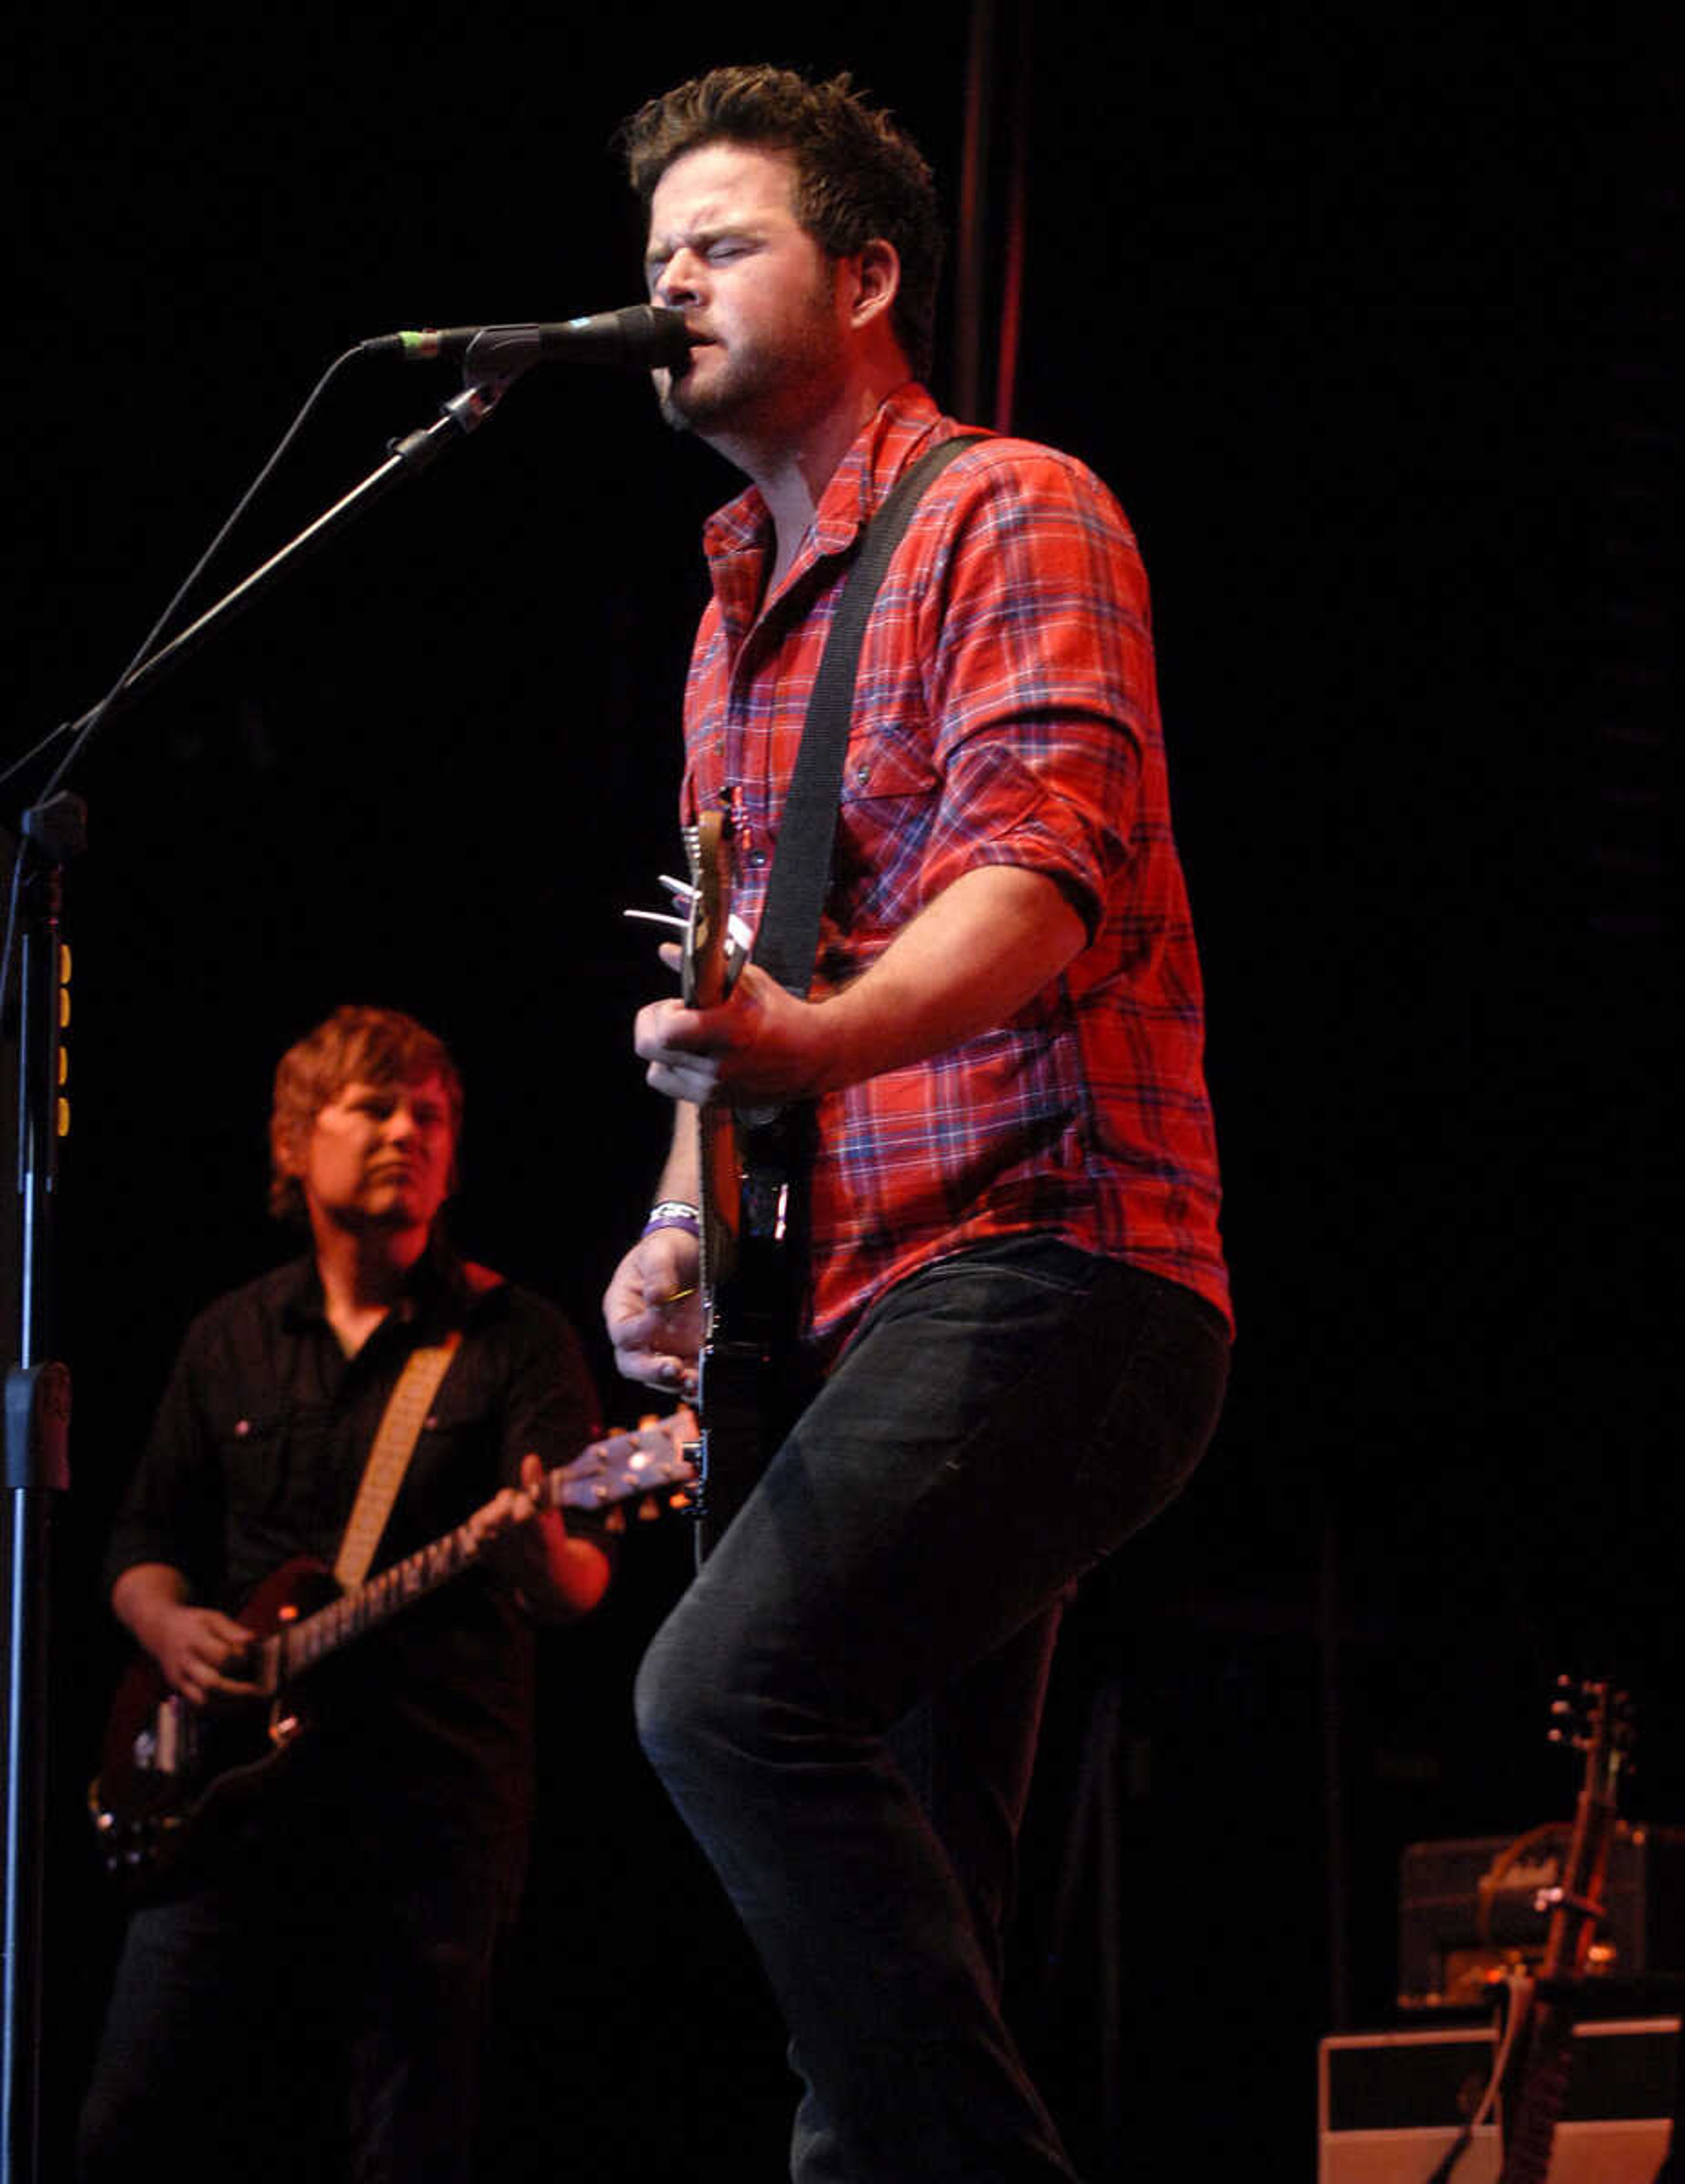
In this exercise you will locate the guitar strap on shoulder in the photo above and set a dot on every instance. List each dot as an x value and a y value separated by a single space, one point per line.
787 940
394 1444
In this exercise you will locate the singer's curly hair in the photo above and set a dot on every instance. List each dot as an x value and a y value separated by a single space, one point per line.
352 1046
859 177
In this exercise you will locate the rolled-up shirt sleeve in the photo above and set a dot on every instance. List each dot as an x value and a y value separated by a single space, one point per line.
1040 683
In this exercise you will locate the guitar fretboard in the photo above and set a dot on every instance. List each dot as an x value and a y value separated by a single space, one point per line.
654 1462
311 1639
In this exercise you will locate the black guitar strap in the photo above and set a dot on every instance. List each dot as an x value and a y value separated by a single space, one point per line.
787 940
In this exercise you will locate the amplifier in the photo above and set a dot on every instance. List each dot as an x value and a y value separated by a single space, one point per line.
1390 2105
1469 1910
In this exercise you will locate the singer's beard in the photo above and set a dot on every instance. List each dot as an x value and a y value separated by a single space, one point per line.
761 381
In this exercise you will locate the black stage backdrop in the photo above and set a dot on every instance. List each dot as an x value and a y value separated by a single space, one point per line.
1360 315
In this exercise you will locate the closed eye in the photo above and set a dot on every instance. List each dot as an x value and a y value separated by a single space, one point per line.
717 248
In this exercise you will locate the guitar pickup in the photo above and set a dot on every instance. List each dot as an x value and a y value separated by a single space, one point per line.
765 1207
169 1745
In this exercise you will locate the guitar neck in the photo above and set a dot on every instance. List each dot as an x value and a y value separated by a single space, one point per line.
706 980
626 1467
312 1638
1574 1918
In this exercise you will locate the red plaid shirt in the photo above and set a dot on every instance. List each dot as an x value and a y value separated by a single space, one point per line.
1005 713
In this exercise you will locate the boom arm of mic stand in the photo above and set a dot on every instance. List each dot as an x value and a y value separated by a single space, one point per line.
416 452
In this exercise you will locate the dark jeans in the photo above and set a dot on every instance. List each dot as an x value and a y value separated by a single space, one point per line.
844 1706
314 2010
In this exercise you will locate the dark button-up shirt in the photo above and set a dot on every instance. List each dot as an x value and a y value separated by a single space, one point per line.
255 1457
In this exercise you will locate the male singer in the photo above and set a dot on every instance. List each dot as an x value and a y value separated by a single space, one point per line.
1015 1312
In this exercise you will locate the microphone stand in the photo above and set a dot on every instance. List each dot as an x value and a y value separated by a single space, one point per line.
409 457
38 1387
37 1419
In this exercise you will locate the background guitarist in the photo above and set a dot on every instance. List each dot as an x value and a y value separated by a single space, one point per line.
1016 1291
314 1993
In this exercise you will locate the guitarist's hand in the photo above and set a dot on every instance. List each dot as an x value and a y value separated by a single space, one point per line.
760 1043
993 940
526 1544
653 1311
201 1654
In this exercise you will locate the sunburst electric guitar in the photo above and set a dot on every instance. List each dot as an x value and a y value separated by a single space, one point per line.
171 1774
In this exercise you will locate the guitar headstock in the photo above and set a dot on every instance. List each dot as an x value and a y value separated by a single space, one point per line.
704 970
1593 1718
645 1467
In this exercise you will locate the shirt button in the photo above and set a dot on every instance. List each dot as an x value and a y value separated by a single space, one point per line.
863 773
757 858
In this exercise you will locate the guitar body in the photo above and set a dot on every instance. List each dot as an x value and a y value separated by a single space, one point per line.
173 1776
752 1162
744 1392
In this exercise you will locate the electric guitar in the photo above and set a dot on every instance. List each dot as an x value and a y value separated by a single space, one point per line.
750 1204
1597 1721
170 1773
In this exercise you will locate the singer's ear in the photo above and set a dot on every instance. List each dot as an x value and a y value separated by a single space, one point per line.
877 280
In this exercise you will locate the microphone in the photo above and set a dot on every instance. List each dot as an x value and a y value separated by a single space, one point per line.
634 339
